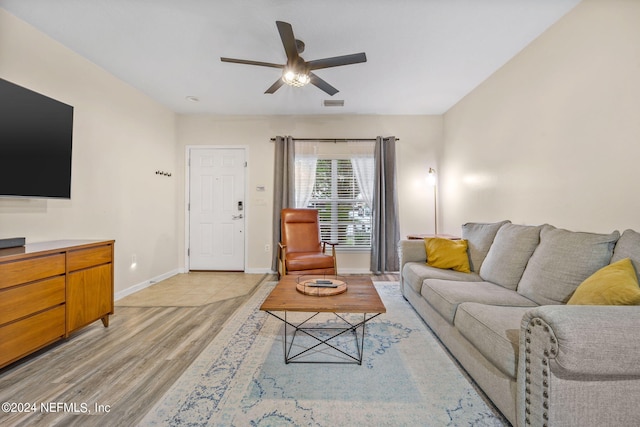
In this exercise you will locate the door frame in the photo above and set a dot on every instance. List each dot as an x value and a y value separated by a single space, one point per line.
187 198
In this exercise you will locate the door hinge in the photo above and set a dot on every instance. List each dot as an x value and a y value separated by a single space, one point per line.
245 164
189 207
188 251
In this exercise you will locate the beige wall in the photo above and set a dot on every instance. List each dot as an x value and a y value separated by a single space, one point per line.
418 148
551 137
554 135
120 139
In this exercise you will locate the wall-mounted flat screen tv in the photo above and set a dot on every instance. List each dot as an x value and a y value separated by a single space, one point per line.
35 144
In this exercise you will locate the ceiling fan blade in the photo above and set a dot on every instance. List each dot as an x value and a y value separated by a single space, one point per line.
274 87
337 61
288 41
244 61
321 84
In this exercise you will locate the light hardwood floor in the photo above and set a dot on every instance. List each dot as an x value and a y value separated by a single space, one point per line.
152 338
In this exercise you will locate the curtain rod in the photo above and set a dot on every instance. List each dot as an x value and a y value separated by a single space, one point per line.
333 139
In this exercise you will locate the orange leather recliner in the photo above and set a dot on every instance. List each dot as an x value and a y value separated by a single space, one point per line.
301 250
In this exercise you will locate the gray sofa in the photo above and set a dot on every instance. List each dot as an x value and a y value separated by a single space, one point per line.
540 361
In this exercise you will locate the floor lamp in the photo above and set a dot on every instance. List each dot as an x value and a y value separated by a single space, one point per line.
432 181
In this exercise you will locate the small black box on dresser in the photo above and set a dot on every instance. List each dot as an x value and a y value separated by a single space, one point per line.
12 242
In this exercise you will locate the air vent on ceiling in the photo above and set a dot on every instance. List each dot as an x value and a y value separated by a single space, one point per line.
333 102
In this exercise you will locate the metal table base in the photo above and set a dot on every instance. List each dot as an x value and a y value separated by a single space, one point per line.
302 328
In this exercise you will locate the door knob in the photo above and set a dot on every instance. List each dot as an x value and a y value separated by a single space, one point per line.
237 216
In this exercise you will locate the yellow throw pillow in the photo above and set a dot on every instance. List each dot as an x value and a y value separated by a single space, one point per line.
447 254
615 284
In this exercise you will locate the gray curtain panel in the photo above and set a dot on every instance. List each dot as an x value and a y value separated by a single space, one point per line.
283 187
385 227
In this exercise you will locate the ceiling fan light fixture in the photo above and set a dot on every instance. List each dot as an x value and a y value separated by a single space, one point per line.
294 78
298 72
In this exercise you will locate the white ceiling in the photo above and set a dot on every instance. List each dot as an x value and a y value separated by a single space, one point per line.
423 56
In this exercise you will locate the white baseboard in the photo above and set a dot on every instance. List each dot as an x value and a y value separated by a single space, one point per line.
259 271
140 286
353 271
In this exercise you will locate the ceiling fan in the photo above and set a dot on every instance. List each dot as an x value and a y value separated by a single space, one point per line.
297 71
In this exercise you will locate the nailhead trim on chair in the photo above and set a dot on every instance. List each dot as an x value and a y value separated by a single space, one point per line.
548 352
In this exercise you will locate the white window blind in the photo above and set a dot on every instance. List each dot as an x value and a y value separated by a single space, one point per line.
345 215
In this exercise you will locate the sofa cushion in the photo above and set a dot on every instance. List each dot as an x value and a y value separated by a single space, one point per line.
445 295
479 237
628 246
508 256
414 273
615 284
447 254
493 331
562 261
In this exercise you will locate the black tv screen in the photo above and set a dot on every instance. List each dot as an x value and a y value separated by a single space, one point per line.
35 144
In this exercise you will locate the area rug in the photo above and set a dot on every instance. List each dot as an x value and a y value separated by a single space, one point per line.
406 378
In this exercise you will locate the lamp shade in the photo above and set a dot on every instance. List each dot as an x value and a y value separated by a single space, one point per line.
431 177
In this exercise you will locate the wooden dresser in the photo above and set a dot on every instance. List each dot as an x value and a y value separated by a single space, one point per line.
50 289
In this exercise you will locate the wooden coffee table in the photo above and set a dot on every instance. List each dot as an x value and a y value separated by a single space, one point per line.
361 297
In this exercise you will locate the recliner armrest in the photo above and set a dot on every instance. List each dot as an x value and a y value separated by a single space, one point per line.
333 247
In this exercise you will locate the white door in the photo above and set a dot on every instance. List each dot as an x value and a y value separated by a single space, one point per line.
216 209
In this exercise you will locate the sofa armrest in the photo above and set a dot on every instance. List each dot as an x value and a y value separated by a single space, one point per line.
410 250
579 365
590 340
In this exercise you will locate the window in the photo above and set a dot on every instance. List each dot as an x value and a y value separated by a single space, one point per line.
345 216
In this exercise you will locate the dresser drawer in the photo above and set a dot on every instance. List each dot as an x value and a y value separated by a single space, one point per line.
25 336
29 270
24 300
85 258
